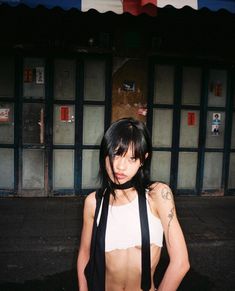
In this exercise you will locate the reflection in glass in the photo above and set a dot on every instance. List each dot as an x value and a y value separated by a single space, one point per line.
191 86
187 170
231 179
6 168
212 171
164 84
33 169
94 80
161 166
7 77
64 82
162 127
63 169
33 123
93 124
90 168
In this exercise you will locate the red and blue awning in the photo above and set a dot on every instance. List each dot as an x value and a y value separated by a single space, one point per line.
134 7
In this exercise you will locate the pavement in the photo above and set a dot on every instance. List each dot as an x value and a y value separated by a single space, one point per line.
39 240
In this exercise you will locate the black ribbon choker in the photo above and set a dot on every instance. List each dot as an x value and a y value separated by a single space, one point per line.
124 186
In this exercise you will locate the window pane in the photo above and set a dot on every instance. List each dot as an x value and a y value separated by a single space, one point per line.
191 86
64 125
217 90
33 169
189 128
162 127
64 83
34 78
233 133
187 170
212 171
90 168
94 80
93 124
63 169
164 84
231 180
161 166
6 123
33 123
215 129
7 77
6 168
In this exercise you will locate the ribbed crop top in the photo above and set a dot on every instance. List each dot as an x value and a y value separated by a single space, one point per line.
123 227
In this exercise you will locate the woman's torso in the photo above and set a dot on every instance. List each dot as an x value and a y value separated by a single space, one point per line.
123 244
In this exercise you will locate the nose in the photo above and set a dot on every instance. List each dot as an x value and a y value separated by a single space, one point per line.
121 163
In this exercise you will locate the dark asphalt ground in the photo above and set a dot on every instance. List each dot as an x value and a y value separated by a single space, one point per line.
39 239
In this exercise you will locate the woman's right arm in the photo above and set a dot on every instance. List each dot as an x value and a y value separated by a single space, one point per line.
85 242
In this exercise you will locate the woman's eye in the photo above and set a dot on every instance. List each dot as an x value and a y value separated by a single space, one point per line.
133 159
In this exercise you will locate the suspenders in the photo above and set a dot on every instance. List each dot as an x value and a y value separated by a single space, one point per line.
95 269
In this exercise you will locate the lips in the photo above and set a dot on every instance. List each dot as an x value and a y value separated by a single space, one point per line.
120 176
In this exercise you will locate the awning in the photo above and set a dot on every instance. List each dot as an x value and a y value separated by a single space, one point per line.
134 7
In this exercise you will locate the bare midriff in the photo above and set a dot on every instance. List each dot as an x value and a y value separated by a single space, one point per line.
123 268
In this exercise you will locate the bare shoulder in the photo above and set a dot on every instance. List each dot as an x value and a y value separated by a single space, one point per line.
161 191
90 204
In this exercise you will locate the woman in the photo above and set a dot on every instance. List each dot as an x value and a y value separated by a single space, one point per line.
125 220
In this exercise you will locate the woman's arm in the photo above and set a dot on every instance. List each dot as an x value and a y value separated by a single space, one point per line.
175 242
84 249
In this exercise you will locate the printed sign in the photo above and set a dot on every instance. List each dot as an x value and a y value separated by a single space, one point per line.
28 75
64 113
39 75
191 118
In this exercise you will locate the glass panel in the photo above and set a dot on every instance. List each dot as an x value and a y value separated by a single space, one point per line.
187 170
215 129
64 125
93 124
161 166
33 123
6 123
233 133
94 80
7 77
217 90
6 168
191 86
90 168
63 169
164 84
189 128
33 169
212 171
162 127
231 179
64 83
34 78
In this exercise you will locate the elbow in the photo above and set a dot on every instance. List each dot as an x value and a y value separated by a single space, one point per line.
184 266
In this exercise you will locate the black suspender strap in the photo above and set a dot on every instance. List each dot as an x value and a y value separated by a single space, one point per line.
145 248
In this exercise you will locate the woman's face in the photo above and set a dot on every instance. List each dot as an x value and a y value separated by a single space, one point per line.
125 167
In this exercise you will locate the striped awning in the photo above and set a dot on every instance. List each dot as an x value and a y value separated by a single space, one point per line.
134 7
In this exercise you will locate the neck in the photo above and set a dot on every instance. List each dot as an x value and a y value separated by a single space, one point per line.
124 186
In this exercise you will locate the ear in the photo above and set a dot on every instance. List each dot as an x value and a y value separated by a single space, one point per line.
146 155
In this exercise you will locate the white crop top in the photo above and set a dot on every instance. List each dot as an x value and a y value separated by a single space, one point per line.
123 226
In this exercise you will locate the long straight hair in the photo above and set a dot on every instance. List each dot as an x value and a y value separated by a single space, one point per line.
122 134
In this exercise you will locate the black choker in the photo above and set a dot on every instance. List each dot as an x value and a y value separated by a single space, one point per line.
124 186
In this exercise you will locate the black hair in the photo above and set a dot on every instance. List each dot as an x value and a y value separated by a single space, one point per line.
122 134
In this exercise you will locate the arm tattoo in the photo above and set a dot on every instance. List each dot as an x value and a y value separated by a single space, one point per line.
166 194
170 216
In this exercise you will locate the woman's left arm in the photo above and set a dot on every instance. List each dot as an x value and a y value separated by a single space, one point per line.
175 242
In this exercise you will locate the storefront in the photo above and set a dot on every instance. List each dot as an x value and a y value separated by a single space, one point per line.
65 75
